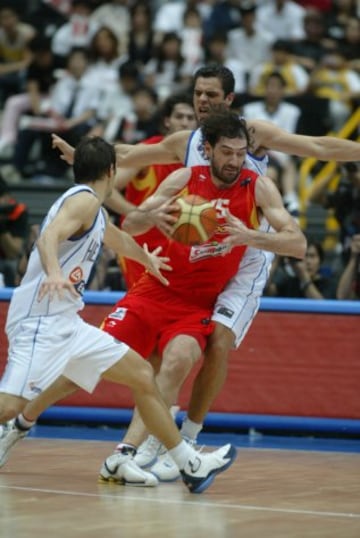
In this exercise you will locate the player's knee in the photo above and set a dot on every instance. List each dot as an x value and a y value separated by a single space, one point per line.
219 344
9 408
145 378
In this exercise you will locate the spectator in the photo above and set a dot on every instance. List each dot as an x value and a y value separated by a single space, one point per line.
13 233
192 37
295 76
14 52
310 50
338 16
248 42
104 60
307 279
144 122
167 72
114 15
73 105
77 32
224 16
344 201
350 44
349 282
170 15
141 35
117 104
38 83
49 15
333 80
286 116
283 19
215 53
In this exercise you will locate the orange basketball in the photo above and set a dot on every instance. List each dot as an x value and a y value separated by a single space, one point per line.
196 222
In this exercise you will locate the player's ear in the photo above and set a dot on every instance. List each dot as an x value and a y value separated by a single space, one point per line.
207 149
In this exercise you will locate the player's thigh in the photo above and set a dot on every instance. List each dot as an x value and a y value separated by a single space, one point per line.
94 351
131 371
39 349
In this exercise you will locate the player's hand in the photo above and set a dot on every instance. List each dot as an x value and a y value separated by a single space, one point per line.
56 286
157 264
238 232
67 151
161 214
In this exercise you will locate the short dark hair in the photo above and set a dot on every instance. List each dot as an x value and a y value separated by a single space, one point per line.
276 74
93 158
170 103
224 74
224 123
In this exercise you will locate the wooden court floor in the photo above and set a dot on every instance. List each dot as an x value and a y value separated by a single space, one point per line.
49 489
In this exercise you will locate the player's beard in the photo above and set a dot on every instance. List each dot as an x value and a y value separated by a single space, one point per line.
227 175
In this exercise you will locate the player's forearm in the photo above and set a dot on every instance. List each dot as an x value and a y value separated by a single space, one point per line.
122 243
284 243
117 203
337 149
48 251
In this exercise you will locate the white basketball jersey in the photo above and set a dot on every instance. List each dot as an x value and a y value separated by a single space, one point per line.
76 258
195 155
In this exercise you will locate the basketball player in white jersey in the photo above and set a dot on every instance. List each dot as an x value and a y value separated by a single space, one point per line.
48 339
237 306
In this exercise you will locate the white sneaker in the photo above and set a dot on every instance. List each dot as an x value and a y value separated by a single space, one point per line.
148 452
121 468
165 469
10 435
201 470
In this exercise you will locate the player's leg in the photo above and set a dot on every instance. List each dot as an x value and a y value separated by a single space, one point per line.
134 372
179 356
212 375
28 413
235 309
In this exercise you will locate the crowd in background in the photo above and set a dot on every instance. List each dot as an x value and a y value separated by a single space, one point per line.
76 67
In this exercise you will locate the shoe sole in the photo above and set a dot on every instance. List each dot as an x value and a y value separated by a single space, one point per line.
119 482
210 479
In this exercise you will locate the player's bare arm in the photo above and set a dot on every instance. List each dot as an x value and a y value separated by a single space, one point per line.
287 240
122 243
265 136
76 215
157 209
171 149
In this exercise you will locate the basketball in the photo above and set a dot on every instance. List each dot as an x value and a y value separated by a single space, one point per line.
196 222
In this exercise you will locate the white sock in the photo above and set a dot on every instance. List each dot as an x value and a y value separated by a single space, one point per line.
190 430
181 453
23 423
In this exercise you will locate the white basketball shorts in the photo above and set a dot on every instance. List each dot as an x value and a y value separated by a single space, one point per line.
43 348
238 304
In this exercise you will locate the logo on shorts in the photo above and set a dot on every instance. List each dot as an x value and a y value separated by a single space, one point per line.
76 275
34 388
225 312
119 313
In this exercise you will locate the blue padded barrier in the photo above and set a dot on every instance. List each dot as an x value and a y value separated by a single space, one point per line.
225 421
268 304
221 420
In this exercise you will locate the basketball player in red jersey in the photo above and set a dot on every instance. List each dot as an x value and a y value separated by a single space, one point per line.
176 319
177 114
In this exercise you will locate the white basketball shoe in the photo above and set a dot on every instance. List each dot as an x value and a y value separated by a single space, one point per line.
121 467
201 469
148 452
10 435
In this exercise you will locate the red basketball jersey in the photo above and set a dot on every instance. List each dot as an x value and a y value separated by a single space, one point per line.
141 187
201 272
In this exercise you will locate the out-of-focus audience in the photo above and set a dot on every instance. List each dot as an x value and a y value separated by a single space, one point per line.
296 63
